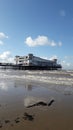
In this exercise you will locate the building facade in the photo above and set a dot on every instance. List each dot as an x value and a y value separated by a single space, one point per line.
31 60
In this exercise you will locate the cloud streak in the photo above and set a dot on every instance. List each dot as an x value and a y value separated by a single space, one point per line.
1 42
3 36
41 41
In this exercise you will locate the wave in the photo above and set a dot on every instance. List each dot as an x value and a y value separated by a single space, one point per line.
52 77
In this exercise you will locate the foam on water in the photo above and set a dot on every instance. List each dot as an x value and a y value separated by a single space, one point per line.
52 77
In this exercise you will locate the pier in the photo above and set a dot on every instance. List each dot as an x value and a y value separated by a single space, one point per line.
21 67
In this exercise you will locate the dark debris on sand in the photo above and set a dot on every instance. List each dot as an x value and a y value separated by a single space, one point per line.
50 103
41 103
1 125
28 117
17 120
7 121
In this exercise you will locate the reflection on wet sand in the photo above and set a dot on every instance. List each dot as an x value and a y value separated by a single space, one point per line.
27 85
3 86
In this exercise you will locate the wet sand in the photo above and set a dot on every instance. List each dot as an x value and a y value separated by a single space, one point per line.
56 117
29 105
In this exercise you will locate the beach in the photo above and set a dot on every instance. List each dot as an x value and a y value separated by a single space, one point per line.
36 100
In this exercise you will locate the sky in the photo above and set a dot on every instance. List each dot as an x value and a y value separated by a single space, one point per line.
41 27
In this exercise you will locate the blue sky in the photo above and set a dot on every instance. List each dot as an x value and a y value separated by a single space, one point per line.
41 27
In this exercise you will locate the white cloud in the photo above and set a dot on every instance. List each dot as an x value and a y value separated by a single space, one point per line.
43 57
41 41
67 63
62 13
52 43
6 57
1 42
60 44
3 36
53 57
70 58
